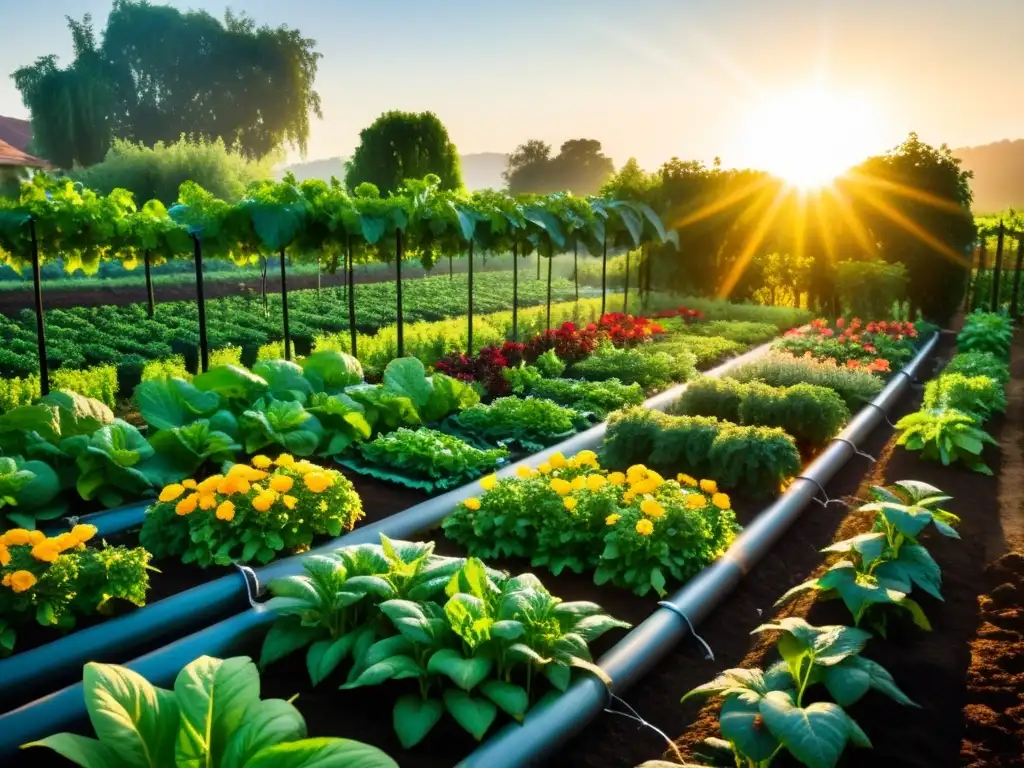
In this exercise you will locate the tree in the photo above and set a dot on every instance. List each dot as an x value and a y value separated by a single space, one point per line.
161 73
404 145
579 167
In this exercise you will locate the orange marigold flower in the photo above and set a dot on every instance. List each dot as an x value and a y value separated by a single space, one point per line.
709 486
207 501
612 519
190 484
318 482
261 462
652 508
171 492
83 532
616 478
47 551
5 555
22 581
16 536
34 537
696 501
281 483
644 527
66 541
187 505
226 511
209 485
289 501
262 502
472 503
284 460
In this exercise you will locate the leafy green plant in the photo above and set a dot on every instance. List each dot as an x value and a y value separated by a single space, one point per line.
531 423
813 415
763 711
169 368
980 364
29 492
779 369
743 332
550 365
285 425
990 332
756 459
718 397
643 365
945 435
597 397
251 513
708 350
422 458
53 580
214 717
979 396
880 568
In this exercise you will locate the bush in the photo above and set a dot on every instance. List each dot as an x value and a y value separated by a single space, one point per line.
597 397
979 396
170 368
779 369
708 350
643 365
228 356
755 459
986 332
530 422
980 364
871 288
98 382
741 331
706 396
18 391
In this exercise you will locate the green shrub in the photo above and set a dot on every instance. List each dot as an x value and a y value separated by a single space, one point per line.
946 435
755 459
979 396
550 365
782 370
98 382
869 289
708 350
741 331
597 397
530 422
986 332
227 356
170 368
706 396
980 364
643 365
272 351
18 391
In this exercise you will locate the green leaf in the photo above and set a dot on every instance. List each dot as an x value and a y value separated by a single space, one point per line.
83 751
271 722
214 697
325 655
394 668
739 724
331 370
815 735
284 378
414 717
136 720
406 377
511 699
475 715
231 382
169 403
848 681
321 753
465 673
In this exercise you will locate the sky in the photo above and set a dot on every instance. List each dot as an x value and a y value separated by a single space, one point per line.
650 79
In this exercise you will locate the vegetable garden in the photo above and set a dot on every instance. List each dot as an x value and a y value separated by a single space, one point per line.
453 521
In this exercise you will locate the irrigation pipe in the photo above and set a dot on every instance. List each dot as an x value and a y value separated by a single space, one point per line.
551 723
33 672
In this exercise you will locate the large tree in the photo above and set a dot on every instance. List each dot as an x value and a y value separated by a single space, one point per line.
579 167
161 73
404 145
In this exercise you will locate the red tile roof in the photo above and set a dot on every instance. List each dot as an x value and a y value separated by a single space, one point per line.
16 132
9 156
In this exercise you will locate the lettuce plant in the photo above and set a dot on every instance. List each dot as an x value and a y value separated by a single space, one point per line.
980 364
990 332
531 422
280 424
946 435
29 492
597 397
643 365
213 717
979 396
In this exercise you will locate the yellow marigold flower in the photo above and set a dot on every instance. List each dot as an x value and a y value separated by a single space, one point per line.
242 486
709 486
187 505
209 485
247 473
686 480
586 457
652 508
16 536
303 467
289 501
66 541
628 497
721 500
207 501
228 485
46 551
595 482
258 489
579 483
557 461
281 483
572 463
262 502
569 503
190 484
226 511
612 519
696 501
560 486
472 503
7 580
318 482
261 461
22 581
544 469
525 472
83 532
655 477
644 527
171 492
488 482
284 460
5 555
34 537
616 478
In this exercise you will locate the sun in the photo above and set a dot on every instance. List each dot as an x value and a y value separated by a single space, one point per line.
810 137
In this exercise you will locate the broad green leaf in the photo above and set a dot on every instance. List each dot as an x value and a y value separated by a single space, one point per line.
414 717
406 377
284 379
740 724
394 668
136 720
271 722
465 673
331 370
232 382
474 714
849 681
83 751
321 753
79 415
169 403
510 698
325 655
816 735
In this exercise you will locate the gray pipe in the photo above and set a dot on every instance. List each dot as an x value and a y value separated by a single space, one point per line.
551 723
115 639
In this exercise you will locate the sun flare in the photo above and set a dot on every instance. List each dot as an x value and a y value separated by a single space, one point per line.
810 137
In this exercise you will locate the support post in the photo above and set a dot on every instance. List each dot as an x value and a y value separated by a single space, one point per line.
550 259
979 276
469 334
37 285
515 290
1014 306
150 297
995 303
576 268
625 296
204 348
398 290
351 295
604 270
451 270
284 309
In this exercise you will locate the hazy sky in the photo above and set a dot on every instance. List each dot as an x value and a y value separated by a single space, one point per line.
648 78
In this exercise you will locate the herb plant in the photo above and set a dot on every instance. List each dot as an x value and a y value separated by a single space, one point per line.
979 396
531 423
990 332
780 369
980 364
597 397
946 435
212 717
643 365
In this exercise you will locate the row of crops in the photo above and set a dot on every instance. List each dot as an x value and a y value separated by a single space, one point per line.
429 645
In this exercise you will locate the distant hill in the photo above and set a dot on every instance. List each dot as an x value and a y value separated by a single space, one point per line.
998 174
481 170
16 132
